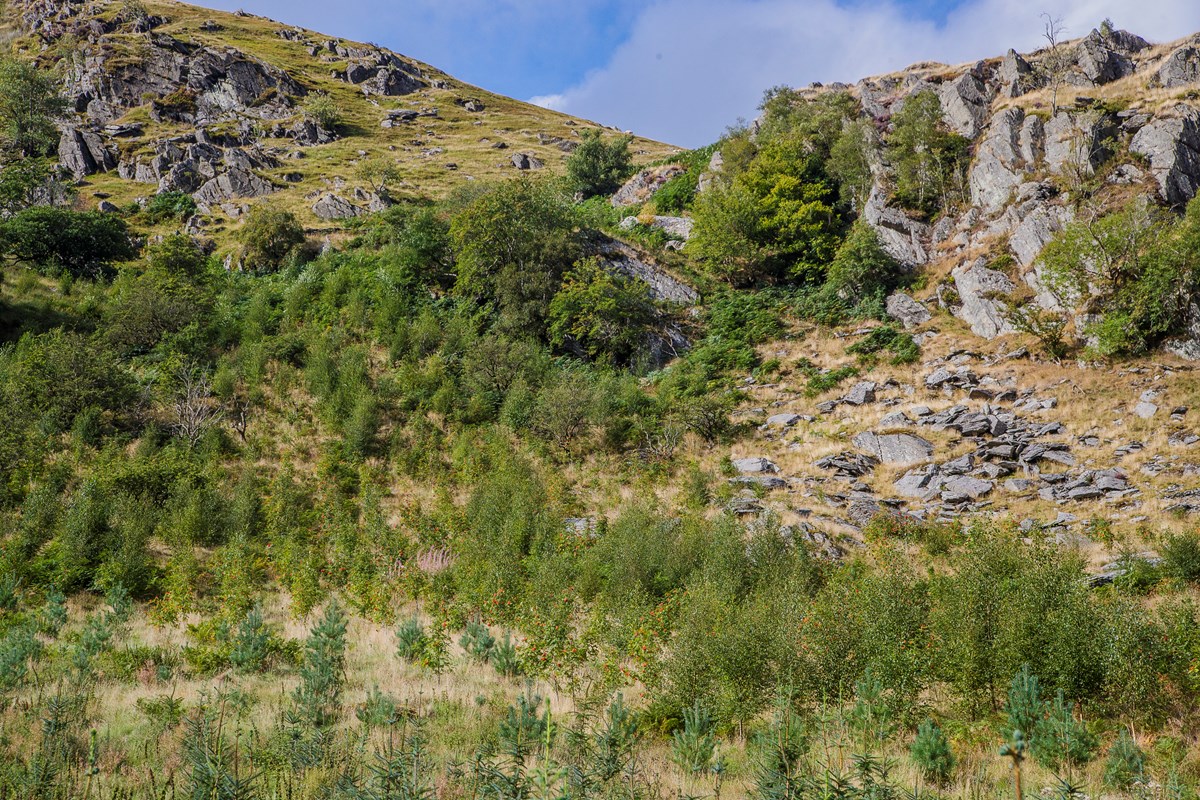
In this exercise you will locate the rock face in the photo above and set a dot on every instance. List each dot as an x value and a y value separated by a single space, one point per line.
236 183
676 227
84 153
628 261
1002 160
1016 75
1103 58
966 103
331 207
644 185
978 287
904 238
1172 146
1181 68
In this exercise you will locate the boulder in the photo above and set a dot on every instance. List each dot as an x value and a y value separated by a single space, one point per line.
782 420
84 153
675 227
907 311
1074 142
1187 345
973 488
392 82
644 185
966 102
1181 68
860 394
1101 59
331 207
977 288
232 184
1041 225
1172 145
525 161
755 466
895 448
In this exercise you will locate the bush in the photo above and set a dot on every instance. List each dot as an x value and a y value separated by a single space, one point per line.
1126 762
170 206
598 167
1060 739
323 669
604 313
325 110
886 338
929 160
862 273
932 754
1181 555
82 244
269 237
478 642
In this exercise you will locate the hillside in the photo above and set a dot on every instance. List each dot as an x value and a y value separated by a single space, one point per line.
347 454
180 98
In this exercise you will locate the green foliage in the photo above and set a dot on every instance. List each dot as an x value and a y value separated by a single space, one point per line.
252 643
1025 707
514 242
378 710
604 313
427 648
1137 268
164 206
505 657
872 714
270 236
1062 740
598 167
932 754
29 104
322 671
886 338
694 746
78 243
1126 763
928 160
1181 555
862 274
780 750
478 642
325 110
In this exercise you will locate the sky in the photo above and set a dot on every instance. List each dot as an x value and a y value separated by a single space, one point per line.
682 71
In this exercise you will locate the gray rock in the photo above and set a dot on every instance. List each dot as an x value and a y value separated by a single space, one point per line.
1100 62
629 261
860 394
977 287
973 488
1016 75
1181 68
897 419
755 465
904 238
783 420
84 153
526 161
895 448
331 207
908 311
1145 409
966 101
999 166
1187 345
768 482
918 483
392 83
1074 142
644 185
1173 147
848 464
105 207
1038 228
233 184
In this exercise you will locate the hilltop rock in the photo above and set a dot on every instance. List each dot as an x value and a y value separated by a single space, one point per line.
1016 75
1173 147
1104 58
966 102
1181 68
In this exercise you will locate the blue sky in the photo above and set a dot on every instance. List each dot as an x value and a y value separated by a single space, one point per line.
683 70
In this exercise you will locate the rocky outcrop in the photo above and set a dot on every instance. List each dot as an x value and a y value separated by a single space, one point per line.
904 238
234 184
1172 146
676 227
84 152
966 103
1105 57
526 161
644 185
628 261
1181 68
979 290
1004 158
1016 76
331 207
907 311
895 448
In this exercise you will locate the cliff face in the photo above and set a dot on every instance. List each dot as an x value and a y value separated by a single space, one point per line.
224 107
1110 113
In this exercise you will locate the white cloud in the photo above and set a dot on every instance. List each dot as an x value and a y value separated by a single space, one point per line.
554 102
689 68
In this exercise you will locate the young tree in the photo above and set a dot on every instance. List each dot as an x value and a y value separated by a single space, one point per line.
323 669
1055 60
83 244
270 235
29 104
597 167
929 160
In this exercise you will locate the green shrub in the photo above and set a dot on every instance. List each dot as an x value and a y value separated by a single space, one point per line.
607 315
886 338
478 642
1181 555
325 110
929 160
1060 739
79 243
165 206
932 754
1025 707
323 669
597 167
270 236
378 710
506 659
